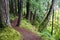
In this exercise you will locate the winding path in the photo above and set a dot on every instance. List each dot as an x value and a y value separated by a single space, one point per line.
26 34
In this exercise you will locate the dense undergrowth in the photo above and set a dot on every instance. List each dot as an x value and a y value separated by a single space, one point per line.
26 25
8 33
44 35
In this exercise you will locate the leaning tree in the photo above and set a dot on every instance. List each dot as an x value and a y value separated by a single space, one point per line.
47 17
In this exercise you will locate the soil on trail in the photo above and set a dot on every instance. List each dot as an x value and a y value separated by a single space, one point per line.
26 34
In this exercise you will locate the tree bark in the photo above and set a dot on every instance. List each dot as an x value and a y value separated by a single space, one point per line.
20 6
11 6
34 17
31 17
16 7
28 10
52 22
4 13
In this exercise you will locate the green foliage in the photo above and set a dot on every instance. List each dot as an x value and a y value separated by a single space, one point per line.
12 17
36 24
8 33
56 25
40 6
46 36
26 25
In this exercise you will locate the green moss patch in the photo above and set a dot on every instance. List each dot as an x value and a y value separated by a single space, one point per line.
26 25
8 33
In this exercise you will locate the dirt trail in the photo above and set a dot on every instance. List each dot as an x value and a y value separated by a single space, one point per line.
27 35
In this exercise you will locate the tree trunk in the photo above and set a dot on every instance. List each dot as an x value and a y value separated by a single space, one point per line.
20 6
34 17
28 10
52 23
31 17
4 13
11 6
46 19
16 7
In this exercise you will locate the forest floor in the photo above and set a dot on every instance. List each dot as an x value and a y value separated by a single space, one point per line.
26 34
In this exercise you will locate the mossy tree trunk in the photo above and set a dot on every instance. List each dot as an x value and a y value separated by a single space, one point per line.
52 22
